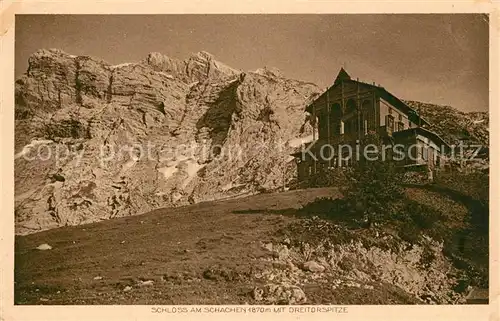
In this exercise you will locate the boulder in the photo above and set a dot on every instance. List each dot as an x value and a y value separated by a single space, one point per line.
44 247
313 266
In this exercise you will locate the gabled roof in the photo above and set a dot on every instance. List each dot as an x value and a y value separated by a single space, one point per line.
343 76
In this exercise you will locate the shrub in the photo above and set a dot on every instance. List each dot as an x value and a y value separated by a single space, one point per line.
333 209
423 216
373 186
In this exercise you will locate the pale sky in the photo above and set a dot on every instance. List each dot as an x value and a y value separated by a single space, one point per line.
440 59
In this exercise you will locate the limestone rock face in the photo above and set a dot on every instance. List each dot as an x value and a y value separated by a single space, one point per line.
95 141
49 82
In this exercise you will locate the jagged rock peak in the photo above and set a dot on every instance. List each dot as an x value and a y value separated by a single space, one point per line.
157 57
51 52
161 62
197 67
269 72
46 59
59 53
204 55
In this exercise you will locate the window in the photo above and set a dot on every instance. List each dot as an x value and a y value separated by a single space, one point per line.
323 125
337 128
425 152
335 116
350 106
336 110
369 112
351 125
420 151
401 126
400 117
432 156
347 126
389 122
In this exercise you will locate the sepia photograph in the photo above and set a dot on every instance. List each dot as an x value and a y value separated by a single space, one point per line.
239 160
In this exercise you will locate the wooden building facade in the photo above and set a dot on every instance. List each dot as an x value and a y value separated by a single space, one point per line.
349 110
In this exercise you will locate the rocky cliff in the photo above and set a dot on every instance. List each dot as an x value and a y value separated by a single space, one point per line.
95 141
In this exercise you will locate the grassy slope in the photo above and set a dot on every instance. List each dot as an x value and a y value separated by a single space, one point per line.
207 253
172 247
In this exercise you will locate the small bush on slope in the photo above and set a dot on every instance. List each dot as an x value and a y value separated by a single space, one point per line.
372 186
371 189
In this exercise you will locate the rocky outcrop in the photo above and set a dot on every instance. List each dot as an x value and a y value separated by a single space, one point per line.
419 270
454 125
95 141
